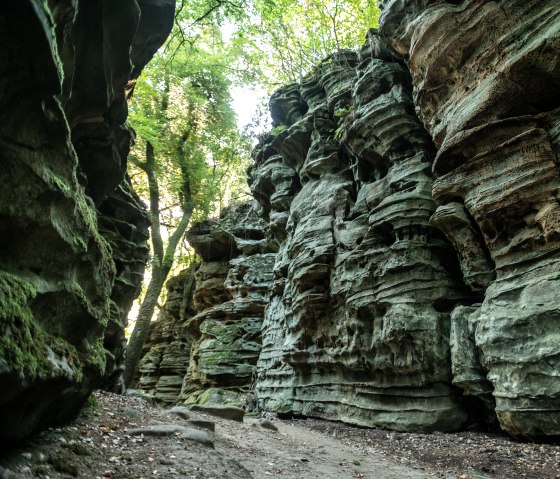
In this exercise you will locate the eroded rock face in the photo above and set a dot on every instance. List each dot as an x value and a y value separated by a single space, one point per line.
487 82
123 223
166 357
231 293
72 232
358 325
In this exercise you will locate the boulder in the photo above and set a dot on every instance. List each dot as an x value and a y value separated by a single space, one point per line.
232 413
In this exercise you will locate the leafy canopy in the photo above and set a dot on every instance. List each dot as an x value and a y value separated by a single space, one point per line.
183 108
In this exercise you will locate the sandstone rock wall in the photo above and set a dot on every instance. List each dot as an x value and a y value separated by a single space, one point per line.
419 254
486 81
72 232
204 346
358 325
166 354
232 287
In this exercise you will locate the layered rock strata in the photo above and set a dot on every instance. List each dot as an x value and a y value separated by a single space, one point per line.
166 354
123 223
72 232
231 293
486 78
358 324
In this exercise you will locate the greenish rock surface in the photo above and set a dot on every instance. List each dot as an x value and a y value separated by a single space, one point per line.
486 77
357 327
72 232
204 346
232 413
166 353
231 294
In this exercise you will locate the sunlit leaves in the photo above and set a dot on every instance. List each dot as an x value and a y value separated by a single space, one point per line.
298 34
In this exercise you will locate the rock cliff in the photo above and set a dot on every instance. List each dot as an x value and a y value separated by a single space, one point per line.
213 353
358 324
411 190
486 81
73 233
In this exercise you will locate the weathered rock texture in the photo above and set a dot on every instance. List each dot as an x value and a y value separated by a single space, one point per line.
487 86
206 341
359 320
232 287
166 354
72 232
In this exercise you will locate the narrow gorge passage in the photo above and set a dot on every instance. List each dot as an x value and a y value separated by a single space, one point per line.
106 442
365 278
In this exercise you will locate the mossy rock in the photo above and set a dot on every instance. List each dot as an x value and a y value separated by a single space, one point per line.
216 396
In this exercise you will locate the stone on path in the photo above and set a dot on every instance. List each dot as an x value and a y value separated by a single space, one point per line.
201 423
160 430
233 413
266 424
180 411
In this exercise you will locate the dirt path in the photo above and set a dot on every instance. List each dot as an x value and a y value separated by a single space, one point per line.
295 452
124 437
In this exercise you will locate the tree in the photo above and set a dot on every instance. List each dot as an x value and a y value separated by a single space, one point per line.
295 35
186 160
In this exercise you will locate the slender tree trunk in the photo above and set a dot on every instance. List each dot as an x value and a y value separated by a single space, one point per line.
162 261
142 326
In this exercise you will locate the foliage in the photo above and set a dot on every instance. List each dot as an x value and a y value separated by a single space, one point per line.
189 158
278 129
295 35
274 42
183 109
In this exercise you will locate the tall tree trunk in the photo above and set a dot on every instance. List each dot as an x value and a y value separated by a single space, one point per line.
162 260
142 326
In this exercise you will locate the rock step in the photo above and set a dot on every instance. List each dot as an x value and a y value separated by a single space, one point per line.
233 413
161 430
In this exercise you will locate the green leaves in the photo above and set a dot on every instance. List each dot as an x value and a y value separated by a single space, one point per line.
183 108
298 34
182 100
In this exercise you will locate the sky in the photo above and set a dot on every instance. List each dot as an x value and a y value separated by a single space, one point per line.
246 101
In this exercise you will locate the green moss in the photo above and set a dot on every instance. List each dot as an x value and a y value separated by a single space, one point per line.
50 25
41 470
18 349
340 113
57 182
92 404
278 129
94 356
78 448
227 354
25 349
215 396
224 333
